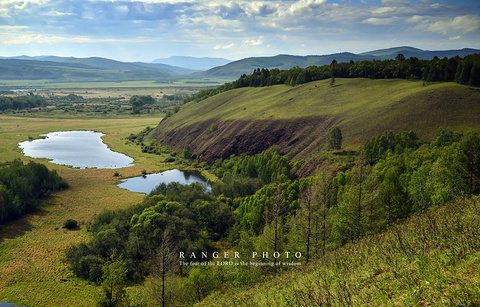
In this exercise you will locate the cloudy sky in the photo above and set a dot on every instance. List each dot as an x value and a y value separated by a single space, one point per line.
144 30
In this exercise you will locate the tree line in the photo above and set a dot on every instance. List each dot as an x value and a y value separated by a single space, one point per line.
456 69
21 102
22 186
260 206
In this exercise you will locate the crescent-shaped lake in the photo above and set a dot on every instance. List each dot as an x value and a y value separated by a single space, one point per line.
80 149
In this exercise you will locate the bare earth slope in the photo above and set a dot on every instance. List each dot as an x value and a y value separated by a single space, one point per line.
249 120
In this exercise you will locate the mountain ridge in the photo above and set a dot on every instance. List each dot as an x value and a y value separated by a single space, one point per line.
230 71
246 66
197 63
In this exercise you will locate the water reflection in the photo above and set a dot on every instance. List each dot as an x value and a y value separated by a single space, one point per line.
145 184
82 149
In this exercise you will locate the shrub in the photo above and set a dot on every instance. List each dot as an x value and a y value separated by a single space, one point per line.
170 159
70 224
213 127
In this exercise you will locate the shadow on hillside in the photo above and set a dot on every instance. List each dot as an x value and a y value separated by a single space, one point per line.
14 229
345 153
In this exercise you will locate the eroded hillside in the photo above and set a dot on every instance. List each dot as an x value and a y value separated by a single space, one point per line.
250 120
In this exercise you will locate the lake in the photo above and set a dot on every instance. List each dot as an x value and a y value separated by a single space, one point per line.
145 184
81 149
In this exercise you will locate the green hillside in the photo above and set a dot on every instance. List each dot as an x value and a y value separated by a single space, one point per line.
297 118
86 69
284 61
430 260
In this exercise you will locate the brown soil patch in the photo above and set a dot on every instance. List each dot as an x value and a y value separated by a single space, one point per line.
296 137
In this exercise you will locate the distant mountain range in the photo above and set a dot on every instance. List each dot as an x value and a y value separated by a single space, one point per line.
246 66
102 69
204 63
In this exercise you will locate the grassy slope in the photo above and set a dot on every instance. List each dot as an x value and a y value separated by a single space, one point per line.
32 252
362 107
430 260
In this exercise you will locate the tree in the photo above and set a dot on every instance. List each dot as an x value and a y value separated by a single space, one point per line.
334 138
312 217
164 265
187 152
469 157
113 285
138 102
400 57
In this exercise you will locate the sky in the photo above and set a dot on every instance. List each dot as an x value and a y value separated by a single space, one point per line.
145 30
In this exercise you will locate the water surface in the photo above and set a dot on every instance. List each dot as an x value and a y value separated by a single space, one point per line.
145 184
82 149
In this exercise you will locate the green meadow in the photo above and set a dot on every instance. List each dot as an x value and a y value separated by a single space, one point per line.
32 249
362 107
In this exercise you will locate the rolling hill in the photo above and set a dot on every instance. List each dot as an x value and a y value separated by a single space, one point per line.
203 63
235 69
84 69
250 120
79 69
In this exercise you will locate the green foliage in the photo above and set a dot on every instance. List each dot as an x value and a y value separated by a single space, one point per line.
113 284
138 101
430 259
464 71
213 127
23 185
70 224
259 207
334 138
266 166
379 147
252 210
21 102
187 152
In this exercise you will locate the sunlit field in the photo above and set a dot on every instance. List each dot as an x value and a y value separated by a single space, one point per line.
32 249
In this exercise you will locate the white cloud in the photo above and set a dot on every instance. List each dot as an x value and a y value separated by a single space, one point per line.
446 25
44 39
239 26
381 21
218 47
122 9
253 42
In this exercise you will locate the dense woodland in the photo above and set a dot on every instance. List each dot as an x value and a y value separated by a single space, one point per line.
21 102
260 206
462 70
22 186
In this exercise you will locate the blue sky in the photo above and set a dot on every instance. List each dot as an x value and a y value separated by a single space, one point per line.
144 30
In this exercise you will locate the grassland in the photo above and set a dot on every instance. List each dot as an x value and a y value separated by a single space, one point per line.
113 89
362 107
431 259
32 249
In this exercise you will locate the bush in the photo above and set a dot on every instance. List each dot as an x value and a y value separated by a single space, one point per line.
70 224
170 159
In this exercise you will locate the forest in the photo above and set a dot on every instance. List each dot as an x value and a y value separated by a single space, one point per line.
21 102
260 206
22 186
462 70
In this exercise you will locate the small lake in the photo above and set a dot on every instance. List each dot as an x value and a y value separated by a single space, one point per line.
145 184
81 149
